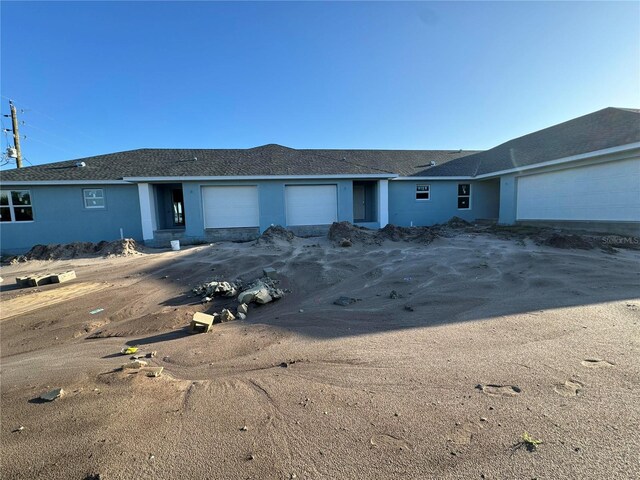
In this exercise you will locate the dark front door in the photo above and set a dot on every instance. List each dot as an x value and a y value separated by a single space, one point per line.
178 208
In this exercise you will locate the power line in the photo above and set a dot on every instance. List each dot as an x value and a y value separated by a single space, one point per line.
25 107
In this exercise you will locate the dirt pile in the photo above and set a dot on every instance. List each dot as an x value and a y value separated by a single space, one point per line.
559 240
274 235
457 222
408 234
118 248
562 239
346 234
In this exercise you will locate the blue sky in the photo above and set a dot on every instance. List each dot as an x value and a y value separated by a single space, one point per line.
103 77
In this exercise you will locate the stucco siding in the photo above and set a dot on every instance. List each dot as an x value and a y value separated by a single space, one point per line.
271 200
61 217
406 210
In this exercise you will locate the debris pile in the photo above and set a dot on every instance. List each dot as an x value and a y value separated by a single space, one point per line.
274 235
261 291
217 289
117 248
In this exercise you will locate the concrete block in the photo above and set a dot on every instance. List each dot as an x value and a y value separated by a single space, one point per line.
136 364
201 323
152 371
63 277
270 272
52 395
33 280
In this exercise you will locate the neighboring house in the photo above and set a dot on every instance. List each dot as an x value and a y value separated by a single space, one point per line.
584 173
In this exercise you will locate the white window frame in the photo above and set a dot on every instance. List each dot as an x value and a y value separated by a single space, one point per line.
427 191
12 207
463 196
85 198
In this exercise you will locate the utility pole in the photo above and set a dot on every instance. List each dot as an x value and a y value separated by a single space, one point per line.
16 134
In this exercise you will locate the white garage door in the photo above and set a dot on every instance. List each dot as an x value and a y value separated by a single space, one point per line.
607 191
311 204
226 207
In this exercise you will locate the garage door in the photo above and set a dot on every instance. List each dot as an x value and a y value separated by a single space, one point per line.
226 207
311 204
608 191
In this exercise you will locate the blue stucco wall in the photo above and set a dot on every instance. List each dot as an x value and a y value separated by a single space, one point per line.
271 198
508 198
60 217
404 209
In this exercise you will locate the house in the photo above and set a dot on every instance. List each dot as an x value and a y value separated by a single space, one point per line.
583 173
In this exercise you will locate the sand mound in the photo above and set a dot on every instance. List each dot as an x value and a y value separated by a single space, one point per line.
275 234
117 248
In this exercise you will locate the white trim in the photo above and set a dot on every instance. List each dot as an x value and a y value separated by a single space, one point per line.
573 158
422 179
36 183
383 202
147 210
463 196
428 192
256 177
85 198
12 208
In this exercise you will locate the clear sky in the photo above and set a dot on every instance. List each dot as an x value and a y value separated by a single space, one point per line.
98 77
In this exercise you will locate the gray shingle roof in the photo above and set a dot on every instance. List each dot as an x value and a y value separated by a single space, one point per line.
606 128
265 160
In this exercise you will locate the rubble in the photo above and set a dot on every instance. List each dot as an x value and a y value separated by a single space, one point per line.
242 316
345 301
243 309
152 371
212 289
135 364
261 291
52 395
226 316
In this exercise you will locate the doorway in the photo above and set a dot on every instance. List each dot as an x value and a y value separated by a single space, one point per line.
364 201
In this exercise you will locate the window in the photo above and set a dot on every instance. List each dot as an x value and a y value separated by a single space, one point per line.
422 192
464 196
15 206
93 197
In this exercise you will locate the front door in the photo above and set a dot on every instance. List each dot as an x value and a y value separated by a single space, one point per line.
178 207
359 211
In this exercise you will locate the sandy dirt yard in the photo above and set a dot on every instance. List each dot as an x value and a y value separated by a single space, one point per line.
489 338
